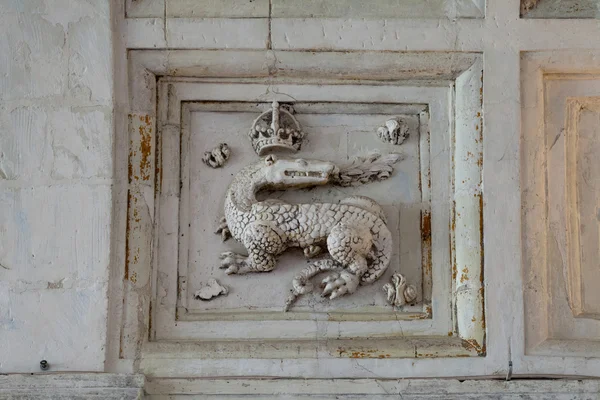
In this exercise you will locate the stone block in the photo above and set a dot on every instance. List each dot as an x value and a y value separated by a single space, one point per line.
61 143
214 33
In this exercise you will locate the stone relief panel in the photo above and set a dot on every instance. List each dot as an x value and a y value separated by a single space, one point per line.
416 247
318 219
560 210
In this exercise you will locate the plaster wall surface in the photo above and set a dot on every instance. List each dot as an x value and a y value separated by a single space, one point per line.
56 155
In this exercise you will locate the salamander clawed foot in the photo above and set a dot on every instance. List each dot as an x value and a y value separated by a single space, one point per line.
312 251
234 263
337 284
223 230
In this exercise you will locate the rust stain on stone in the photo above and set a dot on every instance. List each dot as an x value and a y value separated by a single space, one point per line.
365 353
56 285
481 274
471 344
145 147
464 275
130 163
426 227
143 150
149 320
136 215
127 235
426 242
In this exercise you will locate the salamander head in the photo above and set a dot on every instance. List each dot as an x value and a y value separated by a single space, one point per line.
288 173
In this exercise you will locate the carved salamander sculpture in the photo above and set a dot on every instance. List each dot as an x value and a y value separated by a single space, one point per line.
354 231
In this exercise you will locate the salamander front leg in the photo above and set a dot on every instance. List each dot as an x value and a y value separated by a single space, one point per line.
257 261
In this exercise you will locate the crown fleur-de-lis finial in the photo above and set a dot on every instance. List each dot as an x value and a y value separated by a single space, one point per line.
275 119
276 129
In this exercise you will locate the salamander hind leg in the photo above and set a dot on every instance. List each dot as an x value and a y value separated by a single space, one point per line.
348 245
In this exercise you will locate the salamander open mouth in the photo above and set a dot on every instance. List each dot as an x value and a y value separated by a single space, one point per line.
313 174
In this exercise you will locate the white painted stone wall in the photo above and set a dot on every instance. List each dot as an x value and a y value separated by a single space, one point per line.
55 183
64 187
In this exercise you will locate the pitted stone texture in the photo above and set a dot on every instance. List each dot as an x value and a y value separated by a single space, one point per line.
55 143
32 47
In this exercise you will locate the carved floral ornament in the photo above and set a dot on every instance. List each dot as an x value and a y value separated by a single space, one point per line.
351 238
218 156
394 131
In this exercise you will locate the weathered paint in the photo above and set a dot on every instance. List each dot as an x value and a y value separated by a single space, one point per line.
140 216
467 269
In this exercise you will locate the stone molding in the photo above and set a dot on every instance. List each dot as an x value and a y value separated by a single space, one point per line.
72 386
135 386
374 389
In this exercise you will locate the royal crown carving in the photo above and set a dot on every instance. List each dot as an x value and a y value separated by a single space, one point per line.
276 129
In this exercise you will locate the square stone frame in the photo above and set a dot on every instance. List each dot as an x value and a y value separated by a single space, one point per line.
461 71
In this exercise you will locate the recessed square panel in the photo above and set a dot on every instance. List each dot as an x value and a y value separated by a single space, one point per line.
336 132
560 208
583 204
